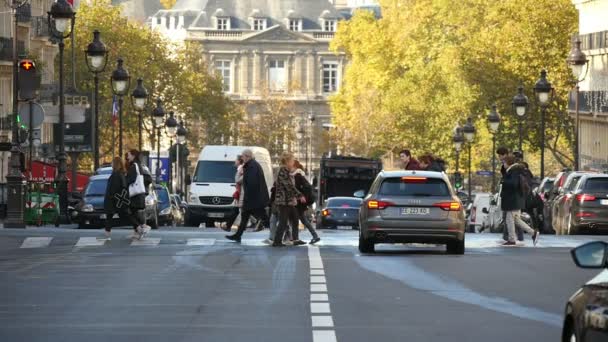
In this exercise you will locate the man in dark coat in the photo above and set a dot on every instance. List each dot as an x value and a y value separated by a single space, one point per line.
256 198
513 201
409 162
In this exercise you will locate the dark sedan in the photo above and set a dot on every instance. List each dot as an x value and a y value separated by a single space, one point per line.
587 209
91 214
340 213
586 315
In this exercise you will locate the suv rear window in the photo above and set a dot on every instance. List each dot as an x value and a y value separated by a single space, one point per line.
344 202
597 184
400 187
573 183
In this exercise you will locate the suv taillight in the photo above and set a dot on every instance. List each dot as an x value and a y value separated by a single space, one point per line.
585 198
448 206
378 205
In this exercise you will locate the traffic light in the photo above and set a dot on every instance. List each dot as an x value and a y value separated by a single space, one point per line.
457 180
29 80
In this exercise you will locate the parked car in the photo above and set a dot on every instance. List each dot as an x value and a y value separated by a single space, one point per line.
587 209
165 208
493 217
340 213
561 202
412 206
477 214
178 211
545 186
104 170
549 197
586 313
90 211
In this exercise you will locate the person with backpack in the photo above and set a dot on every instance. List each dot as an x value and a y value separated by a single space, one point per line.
513 201
305 188
136 184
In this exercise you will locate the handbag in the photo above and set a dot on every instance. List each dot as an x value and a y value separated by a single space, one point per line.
137 187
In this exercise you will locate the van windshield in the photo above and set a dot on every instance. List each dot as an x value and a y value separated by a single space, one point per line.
208 171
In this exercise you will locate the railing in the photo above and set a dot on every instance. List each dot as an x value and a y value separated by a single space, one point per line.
223 34
595 40
595 102
40 27
323 35
24 13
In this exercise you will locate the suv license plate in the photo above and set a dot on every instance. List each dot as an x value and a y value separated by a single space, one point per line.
415 211
216 215
604 202
345 227
102 216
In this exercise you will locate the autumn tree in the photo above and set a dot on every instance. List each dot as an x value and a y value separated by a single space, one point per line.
168 4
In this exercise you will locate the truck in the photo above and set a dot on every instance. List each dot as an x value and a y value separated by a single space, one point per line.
343 176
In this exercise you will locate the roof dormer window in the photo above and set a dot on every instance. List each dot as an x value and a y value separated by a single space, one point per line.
329 25
295 24
259 24
223 23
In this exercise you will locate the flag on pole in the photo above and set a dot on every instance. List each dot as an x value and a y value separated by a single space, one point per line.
114 109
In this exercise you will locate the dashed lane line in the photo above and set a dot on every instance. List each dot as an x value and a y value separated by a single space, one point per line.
322 321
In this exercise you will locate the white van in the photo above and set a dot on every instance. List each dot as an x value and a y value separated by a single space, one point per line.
210 198
478 214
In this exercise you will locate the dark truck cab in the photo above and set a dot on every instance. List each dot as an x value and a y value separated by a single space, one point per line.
343 176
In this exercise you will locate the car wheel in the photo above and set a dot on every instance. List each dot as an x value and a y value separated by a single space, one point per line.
366 245
455 247
569 332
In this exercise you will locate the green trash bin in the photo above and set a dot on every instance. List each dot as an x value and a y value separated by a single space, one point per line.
33 211
49 203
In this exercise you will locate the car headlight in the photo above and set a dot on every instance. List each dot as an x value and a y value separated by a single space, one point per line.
193 198
87 208
165 211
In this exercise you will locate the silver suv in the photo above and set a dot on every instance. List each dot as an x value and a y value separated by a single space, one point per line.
412 207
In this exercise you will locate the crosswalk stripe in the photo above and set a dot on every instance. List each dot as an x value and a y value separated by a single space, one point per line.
322 322
146 242
89 242
36 242
200 242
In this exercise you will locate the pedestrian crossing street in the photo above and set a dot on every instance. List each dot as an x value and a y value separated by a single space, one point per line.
474 242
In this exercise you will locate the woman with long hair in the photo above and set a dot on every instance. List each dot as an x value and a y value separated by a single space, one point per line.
286 199
137 202
116 199
305 188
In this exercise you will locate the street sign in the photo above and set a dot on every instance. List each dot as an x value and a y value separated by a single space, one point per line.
78 135
164 168
37 114
485 173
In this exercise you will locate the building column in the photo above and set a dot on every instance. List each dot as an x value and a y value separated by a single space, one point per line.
256 72
244 79
311 73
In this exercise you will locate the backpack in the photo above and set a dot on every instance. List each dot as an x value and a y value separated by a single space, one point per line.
306 189
524 184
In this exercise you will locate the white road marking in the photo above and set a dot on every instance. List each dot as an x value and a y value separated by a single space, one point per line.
319 308
317 279
322 322
319 297
146 242
318 288
324 336
200 242
317 272
90 242
36 242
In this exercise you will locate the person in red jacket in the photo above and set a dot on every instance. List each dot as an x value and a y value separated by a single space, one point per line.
409 162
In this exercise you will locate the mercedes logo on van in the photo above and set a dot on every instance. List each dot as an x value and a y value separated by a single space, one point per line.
216 200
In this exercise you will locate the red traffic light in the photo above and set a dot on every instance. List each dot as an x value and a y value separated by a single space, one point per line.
27 64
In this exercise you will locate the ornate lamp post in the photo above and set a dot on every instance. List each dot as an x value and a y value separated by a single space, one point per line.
181 139
494 125
158 114
97 57
61 20
469 135
577 60
458 140
544 92
520 105
120 87
309 166
139 99
171 126
15 179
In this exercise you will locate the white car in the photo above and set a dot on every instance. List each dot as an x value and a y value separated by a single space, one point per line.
477 213
493 216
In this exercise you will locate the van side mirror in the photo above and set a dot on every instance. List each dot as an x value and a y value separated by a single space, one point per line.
188 180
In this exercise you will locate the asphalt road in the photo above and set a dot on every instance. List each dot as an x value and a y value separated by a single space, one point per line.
191 285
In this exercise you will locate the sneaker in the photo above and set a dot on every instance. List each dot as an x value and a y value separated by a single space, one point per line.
234 238
299 243
287 243
146 229
135 236
268 242
315 240
278 245
535 237
509 244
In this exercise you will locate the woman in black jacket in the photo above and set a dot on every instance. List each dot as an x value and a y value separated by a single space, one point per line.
137 202
305 189
117 200
286 199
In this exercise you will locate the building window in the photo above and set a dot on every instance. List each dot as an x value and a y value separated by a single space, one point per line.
330 77
295 24
277 75
222 24
223 69
329 25
259 24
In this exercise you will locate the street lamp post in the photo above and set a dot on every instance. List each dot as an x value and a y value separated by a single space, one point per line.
494 125
15 179
158 114
520 105
62 15
96 56
120 87
311 119
544 91
171 125
139 99
469 134
577 60
181 139
458 140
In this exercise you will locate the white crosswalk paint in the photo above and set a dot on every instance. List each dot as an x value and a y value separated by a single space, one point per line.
317 279
324 336
200 242
146 242
90 242
318 288
319 308
317 272
36 242
322 322
319 297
